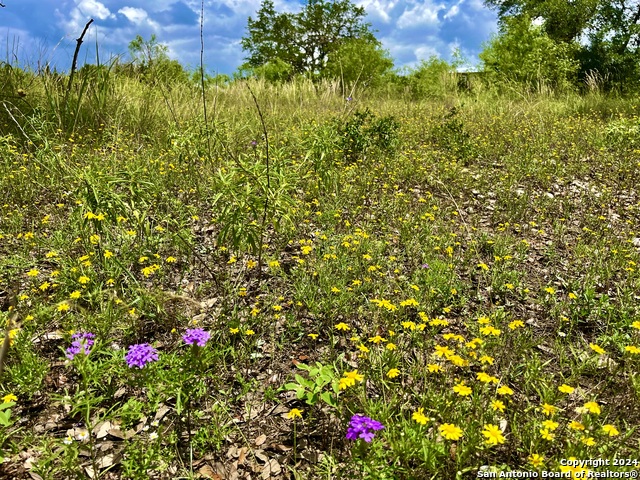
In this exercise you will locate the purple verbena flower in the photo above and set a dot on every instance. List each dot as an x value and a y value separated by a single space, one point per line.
196 336
141 354
82 343
363 427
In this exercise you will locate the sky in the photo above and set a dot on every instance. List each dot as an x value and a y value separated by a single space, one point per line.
37 32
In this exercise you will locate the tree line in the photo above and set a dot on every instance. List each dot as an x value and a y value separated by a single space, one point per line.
556 44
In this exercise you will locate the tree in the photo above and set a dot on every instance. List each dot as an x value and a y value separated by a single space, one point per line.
305 40
523 53
151 60
608 32
358 61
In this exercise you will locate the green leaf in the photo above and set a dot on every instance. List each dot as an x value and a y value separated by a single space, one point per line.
329 399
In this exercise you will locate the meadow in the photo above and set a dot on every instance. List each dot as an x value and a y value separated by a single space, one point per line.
316 283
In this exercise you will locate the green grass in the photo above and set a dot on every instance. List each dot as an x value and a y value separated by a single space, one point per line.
482 249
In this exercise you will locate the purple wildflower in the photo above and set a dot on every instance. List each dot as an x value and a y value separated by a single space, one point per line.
349 99
82 343
425 265
141 354
363 427
196 336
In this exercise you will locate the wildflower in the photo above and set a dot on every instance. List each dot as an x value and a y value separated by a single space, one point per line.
484 377
575 425
462 390
535 459
493 434
68 440
9 398
196 336
313 336
632 349
597 348
249 332
377 339
550 290
592 407
171 260
420 417
504 390
550 425
498 405
83 280
516 324
548 409
636 324
610 430
564 388
433 368
342 326
233 330
450 431
294 413
486 359
63 307
393 373
349 379
82 435
141 354
443 351
82 343
362 427
588 441
391 346
153 435
490 330
547 435
32 273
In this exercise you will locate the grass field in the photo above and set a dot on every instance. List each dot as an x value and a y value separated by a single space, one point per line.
462 271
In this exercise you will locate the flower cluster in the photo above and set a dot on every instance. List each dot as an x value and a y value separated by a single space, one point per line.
196 336
141 354
82 343
362 427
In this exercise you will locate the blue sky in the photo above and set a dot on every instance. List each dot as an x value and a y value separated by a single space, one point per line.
40 31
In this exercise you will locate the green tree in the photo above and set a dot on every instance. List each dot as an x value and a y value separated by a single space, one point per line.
608 32
523 53
358 61
151 60
306 40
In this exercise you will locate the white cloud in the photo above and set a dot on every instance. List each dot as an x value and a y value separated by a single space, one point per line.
378 8
134 15
425 52
453 11
420 15
93 8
